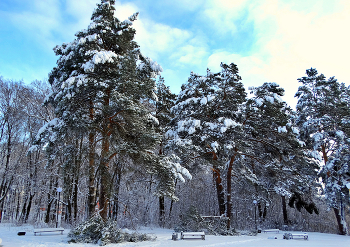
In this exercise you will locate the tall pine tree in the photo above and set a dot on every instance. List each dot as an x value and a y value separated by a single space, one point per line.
207 111
280 161
100 84
323 117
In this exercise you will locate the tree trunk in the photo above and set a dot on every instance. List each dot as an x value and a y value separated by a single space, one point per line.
342 228
339 215
219 190
265 212
76 179
104 163
75 200
68 216
1 209
48 211
172 202
228 200
161 211
24 208
18 204
260 210
284 208
104 195
91 196
29 207
116 193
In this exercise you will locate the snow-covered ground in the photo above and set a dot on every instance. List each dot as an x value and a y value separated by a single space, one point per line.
11 239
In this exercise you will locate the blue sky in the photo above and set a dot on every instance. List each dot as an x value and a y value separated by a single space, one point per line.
270 41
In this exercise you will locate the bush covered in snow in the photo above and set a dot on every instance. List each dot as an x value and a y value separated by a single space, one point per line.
97 231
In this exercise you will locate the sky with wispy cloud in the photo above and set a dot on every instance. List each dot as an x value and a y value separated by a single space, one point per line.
269 40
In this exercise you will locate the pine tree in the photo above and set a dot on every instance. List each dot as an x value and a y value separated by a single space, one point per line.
100 83
253 140
207 110
323 117
279 156
165 100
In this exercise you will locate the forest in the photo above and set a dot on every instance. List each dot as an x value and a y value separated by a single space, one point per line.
104 135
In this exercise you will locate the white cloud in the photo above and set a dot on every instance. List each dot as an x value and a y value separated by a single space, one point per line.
291 39
251 68
289 36
157 39
81 12
223 13
303 40
190 54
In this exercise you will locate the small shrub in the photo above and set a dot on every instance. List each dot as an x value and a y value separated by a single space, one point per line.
97 231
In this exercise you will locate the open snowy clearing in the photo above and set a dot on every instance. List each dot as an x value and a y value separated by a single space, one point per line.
11 239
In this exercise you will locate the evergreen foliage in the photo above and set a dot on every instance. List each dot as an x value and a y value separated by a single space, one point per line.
109 129
275 137
323 117
253 139
207 108
206 112
299 203
101 83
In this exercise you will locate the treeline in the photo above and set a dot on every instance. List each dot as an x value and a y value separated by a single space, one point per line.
29 181
120 144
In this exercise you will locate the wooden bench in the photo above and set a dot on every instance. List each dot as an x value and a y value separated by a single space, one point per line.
295 235
271 230
192 235
48 230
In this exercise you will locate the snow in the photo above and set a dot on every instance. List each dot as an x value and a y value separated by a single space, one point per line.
182 171
212 126
92 25
277 97
214 146
189 125
295 130
54 123
186 102
282 129
104 56
229 122
99 57
9 238
317 137
92 37
269 99
155 66
126 23
259 101
340 134
153 119
204 101
301 143
315 154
